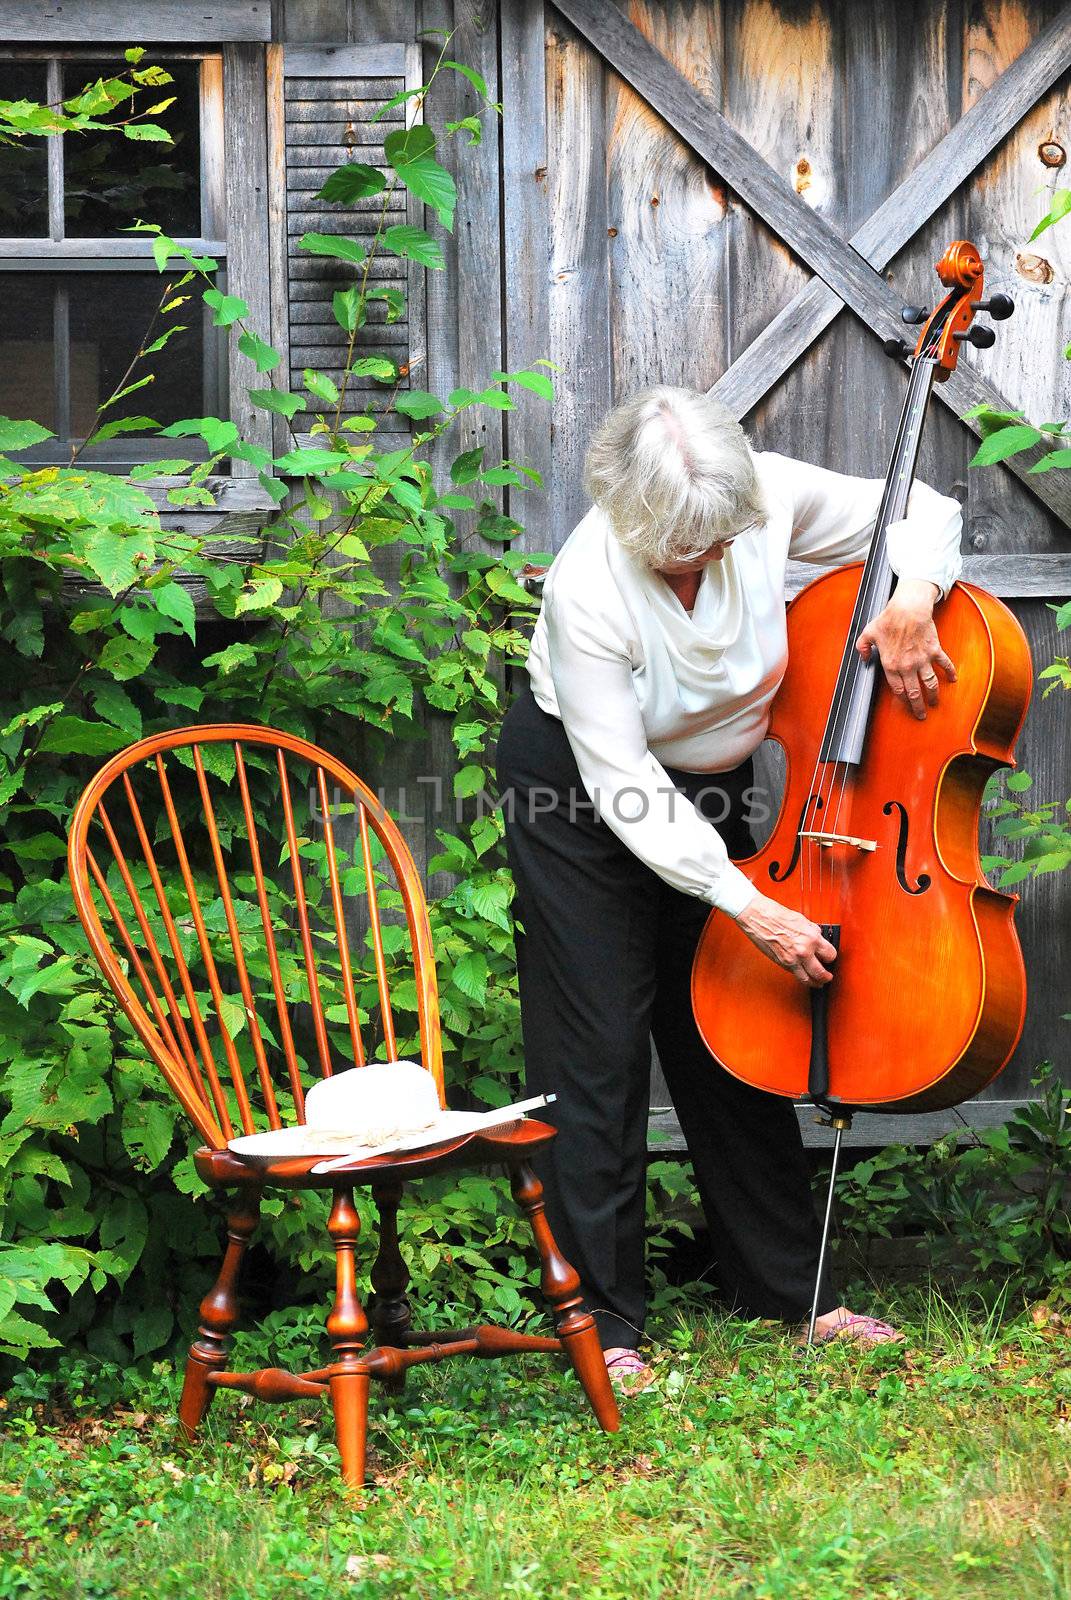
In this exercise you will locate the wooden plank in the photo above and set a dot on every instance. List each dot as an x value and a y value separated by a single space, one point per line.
802 229
416 312
869 1130
579 289
666 232
327 157
86 255
1012 577
1004 204
760 58
230 494
279 271
525 247
930 182
1044 914
121 21
362 62
248 233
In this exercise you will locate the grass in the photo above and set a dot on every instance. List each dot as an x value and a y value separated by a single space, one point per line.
750 1469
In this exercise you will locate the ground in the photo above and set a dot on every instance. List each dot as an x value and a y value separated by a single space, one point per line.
751 1469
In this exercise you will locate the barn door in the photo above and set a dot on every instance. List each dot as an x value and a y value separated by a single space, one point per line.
323 105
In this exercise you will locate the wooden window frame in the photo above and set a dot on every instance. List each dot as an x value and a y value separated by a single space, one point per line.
132 253
233 226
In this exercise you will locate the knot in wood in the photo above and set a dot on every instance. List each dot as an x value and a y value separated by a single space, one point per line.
1051 153
1035 269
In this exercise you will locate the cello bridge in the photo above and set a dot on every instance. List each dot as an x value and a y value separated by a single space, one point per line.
840 838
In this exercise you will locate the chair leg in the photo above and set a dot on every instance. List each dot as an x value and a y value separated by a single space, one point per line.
219 1314
391 1316
561 1287
346 1326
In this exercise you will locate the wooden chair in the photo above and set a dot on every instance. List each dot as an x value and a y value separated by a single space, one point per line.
227 949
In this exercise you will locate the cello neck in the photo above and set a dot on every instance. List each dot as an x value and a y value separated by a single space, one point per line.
845 732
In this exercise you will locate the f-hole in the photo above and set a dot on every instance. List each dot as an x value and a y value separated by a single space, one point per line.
775 866
901 849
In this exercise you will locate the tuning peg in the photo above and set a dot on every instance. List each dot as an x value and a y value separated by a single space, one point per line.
914 314
999 306
897 348
977 335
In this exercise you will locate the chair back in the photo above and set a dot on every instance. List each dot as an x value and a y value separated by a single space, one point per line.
248 925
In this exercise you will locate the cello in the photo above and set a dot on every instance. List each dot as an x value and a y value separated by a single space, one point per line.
876 839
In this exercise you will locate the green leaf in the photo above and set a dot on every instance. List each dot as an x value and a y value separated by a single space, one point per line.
394 299
75 736
538 382
310 462
260 597
217 434
354 181
277 400
418 403
1054 458
111 430
375 367
333 244
171 467
414 243
21 435
1061 205
149 132
468 781
1019 782
116 559
263 357
1004 443
323 387
466 466
112 702
470 125
346 305
227 307
273 487
409 152
147 1132
478 83
177 603
471 974
127 658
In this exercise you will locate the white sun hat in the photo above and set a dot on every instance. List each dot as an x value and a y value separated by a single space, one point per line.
383 1107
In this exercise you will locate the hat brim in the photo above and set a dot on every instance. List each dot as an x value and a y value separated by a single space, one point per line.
280 1143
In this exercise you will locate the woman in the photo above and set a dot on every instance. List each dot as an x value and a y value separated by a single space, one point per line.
627 780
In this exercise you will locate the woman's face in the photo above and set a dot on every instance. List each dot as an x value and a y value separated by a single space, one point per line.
679 569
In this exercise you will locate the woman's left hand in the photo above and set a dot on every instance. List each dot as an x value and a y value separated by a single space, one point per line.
907 643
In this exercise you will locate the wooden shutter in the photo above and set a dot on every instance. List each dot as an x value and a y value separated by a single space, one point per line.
323 99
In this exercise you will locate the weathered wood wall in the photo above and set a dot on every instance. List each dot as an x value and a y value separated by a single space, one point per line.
592 233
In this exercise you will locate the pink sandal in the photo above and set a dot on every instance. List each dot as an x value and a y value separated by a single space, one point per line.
628 1371
868 1330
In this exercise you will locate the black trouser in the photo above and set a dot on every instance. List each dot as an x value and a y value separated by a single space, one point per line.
604 961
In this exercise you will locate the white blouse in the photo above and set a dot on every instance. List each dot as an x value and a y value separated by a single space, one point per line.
637 681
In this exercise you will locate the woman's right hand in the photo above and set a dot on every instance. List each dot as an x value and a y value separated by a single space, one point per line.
790 939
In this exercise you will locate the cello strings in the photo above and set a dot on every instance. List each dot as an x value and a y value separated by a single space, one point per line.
817 800
909 433
897 506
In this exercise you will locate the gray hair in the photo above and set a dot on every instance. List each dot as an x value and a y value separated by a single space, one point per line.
672 470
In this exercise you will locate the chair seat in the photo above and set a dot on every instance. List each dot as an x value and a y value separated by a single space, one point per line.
222 1169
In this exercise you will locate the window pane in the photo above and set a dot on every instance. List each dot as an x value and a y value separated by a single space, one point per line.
59 378
111 182
26 382
24 166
